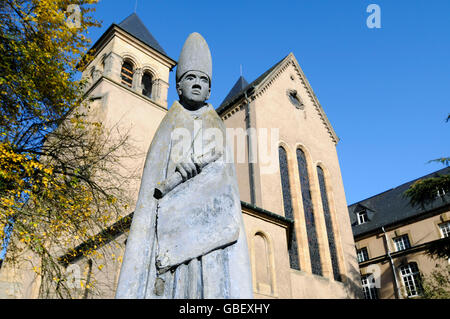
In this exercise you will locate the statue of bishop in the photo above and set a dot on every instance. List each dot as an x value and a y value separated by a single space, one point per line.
187 238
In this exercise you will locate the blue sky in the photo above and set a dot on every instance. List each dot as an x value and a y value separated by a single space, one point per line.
385 91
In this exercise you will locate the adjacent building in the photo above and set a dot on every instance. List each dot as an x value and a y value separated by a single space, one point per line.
392 237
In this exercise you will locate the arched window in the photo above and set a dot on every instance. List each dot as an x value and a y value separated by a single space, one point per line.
328 224
288 212
102 64
314 253
147 84
263 266
92 73
411 279
87 282
127 73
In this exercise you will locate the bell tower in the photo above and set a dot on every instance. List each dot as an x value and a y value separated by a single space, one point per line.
127 85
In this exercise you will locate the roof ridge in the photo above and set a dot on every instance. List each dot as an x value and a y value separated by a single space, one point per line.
403 184
393 207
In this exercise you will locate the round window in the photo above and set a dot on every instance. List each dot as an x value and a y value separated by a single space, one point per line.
295 99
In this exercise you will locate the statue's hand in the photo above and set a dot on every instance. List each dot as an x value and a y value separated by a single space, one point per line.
187 168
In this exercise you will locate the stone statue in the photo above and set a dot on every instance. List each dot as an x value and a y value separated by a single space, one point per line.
187 238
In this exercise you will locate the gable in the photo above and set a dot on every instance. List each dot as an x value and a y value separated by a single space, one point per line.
282 67
258 87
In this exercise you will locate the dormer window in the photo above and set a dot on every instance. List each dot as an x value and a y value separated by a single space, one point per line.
362 217
127 73
147 84
440 192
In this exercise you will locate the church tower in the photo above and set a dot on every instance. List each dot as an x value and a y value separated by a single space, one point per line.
127 85
289 177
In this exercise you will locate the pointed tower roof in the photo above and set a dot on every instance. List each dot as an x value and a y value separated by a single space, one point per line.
240 85
238 89
134 26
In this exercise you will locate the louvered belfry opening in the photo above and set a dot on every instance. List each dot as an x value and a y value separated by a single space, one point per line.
147 84
127 73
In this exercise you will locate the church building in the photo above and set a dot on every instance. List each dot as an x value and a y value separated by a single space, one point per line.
295 213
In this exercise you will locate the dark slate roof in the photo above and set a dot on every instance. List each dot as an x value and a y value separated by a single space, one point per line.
240 84
134 26
230 98
392 207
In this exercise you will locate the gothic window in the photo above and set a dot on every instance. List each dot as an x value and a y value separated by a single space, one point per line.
308 209
127 73
263 267
88 272
411 279
147 84
368 285
328 224
288 212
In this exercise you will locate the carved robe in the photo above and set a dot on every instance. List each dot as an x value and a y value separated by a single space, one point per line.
191 243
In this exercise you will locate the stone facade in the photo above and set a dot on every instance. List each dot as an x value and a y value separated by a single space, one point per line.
269 231
393 240
308 129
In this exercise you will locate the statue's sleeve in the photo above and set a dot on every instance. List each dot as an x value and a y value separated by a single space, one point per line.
200 215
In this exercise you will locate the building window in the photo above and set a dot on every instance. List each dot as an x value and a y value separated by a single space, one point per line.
402 243
362 254
411 279
362 217
314 253
92 73
288 212
147 84
328 224
368 285
445 229
295 99
127 73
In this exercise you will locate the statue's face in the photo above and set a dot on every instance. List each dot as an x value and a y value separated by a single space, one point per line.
193 89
